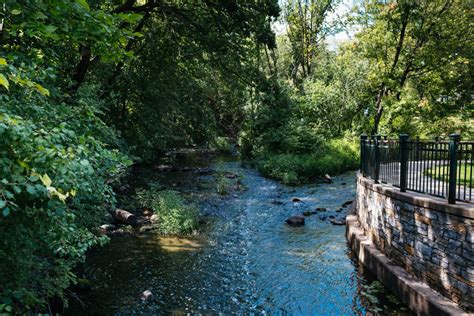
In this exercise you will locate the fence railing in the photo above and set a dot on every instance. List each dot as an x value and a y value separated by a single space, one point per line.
436 167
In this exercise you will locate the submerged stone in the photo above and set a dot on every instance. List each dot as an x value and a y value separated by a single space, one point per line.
295 221
146 295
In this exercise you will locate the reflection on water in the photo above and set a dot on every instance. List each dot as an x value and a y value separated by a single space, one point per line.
248 260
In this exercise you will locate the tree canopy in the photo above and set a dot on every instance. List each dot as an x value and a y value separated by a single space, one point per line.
88 87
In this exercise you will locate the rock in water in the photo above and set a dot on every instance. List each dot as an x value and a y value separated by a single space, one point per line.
327 178
338 222
320 209
295 221
295 199
107 227
146 295
307 213
154 219
347 203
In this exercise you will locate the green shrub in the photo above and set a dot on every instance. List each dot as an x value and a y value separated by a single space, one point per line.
54 189
336 157
175 217
222 145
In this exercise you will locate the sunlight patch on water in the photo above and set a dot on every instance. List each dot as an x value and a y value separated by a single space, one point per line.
177 244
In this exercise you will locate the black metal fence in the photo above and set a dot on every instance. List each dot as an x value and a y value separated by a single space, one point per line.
436 167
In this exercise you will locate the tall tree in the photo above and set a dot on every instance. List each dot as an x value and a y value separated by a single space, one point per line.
306 31
409 40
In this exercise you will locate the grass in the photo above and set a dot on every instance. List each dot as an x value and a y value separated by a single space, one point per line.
175 216
442 174
336 157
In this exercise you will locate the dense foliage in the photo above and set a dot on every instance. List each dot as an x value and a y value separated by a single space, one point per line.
84 85
88 86
407 70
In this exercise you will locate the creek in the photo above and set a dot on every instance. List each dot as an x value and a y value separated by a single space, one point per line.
245 260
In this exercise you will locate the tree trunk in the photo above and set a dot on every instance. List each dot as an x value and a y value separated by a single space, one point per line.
81 69
383 88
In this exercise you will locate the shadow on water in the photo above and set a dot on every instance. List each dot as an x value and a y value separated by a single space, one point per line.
247 260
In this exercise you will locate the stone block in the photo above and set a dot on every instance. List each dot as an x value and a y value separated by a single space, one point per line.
454 268
423 250
454 246
422 219
409 249
468 246
469 255
467 276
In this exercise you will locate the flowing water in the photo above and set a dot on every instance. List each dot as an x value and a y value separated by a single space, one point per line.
247 260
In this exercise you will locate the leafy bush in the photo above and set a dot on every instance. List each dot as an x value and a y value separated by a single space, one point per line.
336 157
54 188
222 145
175 217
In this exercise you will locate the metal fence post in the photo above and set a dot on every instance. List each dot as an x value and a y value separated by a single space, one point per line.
417 148
403 161
363 158
377 139
453 147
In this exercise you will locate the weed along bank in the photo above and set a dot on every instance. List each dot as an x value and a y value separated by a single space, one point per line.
412 229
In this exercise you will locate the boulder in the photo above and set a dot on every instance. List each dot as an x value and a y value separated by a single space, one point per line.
163 167
295 221
230 175
320 209
327 178
295 199
146 295
307 213
107 227
125 217
338 222
347 203
154 219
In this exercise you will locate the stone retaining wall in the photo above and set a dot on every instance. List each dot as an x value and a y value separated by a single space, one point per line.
430 239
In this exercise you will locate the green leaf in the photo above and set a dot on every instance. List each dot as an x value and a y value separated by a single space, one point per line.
84 162
46 180
3 61
31 189
42 89
4 82
84 4
6 211
3 203
50 28
16 12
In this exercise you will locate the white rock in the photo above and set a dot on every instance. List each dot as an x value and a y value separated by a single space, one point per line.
146 295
